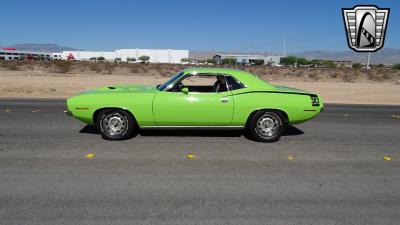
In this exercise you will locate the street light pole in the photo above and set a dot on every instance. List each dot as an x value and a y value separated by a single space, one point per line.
369 57
284 45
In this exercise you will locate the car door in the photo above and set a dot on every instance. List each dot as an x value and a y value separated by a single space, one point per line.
195 108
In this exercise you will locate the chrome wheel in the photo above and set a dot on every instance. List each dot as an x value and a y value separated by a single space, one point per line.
115 124
268 125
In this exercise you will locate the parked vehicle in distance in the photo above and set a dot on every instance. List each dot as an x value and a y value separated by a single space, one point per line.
208 98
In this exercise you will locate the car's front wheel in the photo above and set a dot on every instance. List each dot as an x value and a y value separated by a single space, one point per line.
115 124
266 126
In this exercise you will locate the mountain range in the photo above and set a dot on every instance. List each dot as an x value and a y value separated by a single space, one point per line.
48 47
385 56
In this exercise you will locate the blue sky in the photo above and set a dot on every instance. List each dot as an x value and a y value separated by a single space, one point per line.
220 25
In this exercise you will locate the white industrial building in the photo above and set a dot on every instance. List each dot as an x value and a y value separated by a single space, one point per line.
14 54
156 55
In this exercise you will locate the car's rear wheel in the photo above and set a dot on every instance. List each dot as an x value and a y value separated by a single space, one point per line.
115 124
266 125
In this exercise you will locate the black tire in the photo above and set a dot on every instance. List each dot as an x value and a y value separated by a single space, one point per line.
263 133
116 124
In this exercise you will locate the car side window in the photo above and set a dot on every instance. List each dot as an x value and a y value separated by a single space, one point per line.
233 84
202 83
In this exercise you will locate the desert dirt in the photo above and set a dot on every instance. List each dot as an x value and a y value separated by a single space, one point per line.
45 83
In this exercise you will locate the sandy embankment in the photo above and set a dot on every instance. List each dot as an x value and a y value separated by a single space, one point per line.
25 85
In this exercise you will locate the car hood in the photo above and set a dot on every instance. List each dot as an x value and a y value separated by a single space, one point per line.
131 88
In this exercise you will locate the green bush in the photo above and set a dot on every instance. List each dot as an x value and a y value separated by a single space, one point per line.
185 60
229 61
144 58
303 61
357 66
290 60
211 61
316 62
133 59
101 58
258 62
396 66
328 63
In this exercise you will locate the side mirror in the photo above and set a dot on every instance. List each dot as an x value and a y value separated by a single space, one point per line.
185 90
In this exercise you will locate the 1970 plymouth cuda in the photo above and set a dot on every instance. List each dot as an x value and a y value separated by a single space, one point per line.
195 98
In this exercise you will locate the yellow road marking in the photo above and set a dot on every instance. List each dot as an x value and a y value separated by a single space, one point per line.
191 156
387 158
290 157
89 155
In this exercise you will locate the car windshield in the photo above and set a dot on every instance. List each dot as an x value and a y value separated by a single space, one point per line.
170 81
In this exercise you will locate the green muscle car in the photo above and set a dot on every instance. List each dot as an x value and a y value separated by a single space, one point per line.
210 98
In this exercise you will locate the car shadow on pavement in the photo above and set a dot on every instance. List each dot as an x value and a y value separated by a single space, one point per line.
89 129
290 131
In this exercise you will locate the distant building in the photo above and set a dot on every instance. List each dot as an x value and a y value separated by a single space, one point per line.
273 60
14 54
248 59
343 63
156 55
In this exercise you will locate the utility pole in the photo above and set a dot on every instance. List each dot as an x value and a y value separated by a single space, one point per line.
284 45
369 57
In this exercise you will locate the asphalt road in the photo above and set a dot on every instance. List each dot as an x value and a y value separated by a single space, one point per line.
337 175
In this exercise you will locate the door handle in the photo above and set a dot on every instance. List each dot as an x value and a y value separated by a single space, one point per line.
224 99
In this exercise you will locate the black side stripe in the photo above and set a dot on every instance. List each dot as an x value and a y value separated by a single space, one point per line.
278 92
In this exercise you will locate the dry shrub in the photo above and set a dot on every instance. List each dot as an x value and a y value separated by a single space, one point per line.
134 68
386 76
157 67
45 64
145 67
93 67
259 71
379 78
109 67
96 67
378 75
349 77
314 76
12 66
299 73
333 75
176 69
62 66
